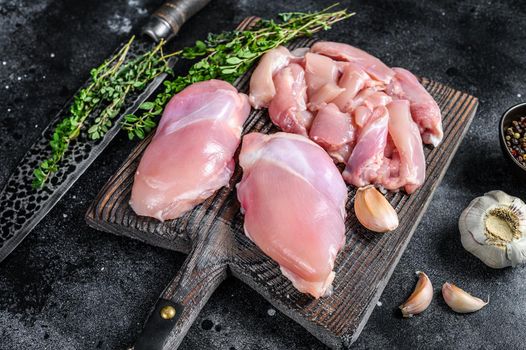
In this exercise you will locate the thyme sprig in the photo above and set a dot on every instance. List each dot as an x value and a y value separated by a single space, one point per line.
110 84
225 56
229 55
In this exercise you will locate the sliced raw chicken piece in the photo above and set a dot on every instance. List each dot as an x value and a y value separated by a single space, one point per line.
360 98
342 154
390 148
424 109
366 102
394 88
320 70
262 88
324 95
288 109
366 159
406 138
377 99
191 154
333 130
369 97
344 52
293 198
361 115
389 173
353 80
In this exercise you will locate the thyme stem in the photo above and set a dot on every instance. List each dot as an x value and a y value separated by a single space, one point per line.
229 55
225 56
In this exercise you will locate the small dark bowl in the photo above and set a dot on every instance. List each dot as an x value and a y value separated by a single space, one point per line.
513 113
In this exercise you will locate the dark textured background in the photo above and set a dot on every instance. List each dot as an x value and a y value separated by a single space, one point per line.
70 287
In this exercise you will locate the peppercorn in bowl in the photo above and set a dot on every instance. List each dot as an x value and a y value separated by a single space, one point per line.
513 137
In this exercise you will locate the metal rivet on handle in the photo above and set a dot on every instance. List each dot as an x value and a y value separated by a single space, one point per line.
168 312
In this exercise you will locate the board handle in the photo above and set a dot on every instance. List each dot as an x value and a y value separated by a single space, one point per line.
177 308
170 17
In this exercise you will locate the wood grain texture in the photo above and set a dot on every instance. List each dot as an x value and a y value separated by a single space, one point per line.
363 267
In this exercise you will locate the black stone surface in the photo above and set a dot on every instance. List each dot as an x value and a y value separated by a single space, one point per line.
70 287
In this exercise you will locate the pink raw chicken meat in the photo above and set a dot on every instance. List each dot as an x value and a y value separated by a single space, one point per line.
262 88
320 70
293 198
371 98
361 115
353 80
333 130
367 156
424 109
344 52
288 108
406 138
366 102
377 99
344 83
191 155
324 95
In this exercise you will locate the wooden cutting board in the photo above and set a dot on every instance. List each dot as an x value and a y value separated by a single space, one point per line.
212 234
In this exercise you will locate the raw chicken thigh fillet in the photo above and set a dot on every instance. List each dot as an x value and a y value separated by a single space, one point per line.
191 155
366 115
293 198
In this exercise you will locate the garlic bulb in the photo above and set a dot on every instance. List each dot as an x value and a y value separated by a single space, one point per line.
374 211
493 228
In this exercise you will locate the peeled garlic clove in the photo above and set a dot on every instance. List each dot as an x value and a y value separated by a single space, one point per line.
421 297
461 301
493 228
374 211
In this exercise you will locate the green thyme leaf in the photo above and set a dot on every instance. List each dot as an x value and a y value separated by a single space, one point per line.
230 54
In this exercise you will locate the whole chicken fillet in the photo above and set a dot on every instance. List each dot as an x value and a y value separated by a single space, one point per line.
293 198
191 155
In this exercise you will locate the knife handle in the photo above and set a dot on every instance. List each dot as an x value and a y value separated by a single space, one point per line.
180 303
169 18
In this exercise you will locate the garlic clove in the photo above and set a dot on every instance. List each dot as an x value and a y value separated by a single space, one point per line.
493 228
373 211
421 297
461 301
